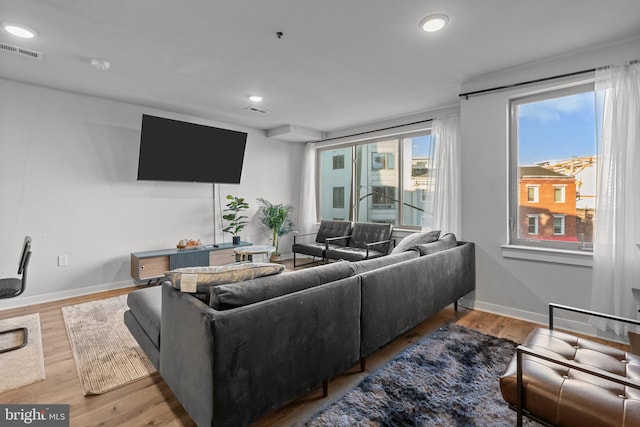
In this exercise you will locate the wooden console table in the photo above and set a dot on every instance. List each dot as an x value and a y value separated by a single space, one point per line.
153 264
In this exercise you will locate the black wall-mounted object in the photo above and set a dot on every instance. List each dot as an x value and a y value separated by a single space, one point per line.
173 150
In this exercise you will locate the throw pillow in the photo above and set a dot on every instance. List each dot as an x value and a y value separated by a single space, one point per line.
199 279
447 241
411 242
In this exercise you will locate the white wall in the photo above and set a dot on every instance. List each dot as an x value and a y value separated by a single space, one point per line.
68 166
515 287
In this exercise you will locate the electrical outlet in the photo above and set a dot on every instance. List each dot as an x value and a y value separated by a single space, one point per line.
63 260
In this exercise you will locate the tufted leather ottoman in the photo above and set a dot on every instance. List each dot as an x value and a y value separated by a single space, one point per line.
563 396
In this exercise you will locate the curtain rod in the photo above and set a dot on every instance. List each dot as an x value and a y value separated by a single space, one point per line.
466 95
376 130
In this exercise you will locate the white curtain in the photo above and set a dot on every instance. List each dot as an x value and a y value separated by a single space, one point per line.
307 207
616 256
447 215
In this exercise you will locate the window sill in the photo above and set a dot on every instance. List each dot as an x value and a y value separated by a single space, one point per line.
555 256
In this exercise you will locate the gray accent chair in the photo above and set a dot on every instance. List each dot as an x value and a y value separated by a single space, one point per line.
367 240
316 249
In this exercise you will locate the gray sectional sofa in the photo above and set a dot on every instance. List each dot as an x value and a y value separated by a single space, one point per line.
252 346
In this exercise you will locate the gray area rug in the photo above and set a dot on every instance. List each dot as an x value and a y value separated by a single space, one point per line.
106 354
450 378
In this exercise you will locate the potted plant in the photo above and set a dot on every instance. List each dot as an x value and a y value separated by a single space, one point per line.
277 219
235 207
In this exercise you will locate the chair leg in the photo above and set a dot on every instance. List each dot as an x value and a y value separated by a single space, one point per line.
313 261
325 387
455 305
25 339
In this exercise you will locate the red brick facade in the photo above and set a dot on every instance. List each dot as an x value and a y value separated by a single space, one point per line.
547 205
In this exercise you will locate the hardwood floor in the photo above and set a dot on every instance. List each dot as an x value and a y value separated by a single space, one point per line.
150 402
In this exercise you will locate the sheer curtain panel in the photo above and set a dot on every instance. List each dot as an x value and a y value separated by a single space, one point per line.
447 215
616 256
307 212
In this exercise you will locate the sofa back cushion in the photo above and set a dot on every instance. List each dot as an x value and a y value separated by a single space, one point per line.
447 241
411 242
239 294
368 232
374 263
333 228
199 279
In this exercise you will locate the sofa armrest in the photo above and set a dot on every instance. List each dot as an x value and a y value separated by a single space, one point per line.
186 352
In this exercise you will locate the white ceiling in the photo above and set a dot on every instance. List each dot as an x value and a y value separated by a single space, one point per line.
340 63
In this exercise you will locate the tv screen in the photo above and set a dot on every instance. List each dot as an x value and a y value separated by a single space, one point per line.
172 150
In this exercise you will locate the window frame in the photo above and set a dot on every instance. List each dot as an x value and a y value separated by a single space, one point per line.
397 168
513 169
340 163
536 224
562 219
563 193
536 193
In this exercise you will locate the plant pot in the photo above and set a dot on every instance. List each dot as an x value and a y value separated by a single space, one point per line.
236 240
275 257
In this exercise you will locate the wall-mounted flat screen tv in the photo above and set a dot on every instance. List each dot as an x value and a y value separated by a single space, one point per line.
172 150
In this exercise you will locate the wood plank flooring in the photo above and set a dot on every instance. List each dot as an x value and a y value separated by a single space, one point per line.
150 401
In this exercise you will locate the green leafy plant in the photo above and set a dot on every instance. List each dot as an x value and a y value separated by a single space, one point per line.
235 207
276 218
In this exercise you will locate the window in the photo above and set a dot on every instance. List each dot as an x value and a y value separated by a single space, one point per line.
383 197
558 193
533 224
382 161
385 180
532 193
553 159
558 225
338 162
338 197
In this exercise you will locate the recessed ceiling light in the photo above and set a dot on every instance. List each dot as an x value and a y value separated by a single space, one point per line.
19 30
255 98
434 23
100 64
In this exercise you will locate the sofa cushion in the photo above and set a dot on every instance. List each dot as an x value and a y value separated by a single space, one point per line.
447 241
205 277
411 242
333 228
372 264
146 306
240 294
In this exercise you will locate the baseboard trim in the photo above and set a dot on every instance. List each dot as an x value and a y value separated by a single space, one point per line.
542 319
57 296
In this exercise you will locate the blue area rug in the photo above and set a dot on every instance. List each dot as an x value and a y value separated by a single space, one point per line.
450 378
